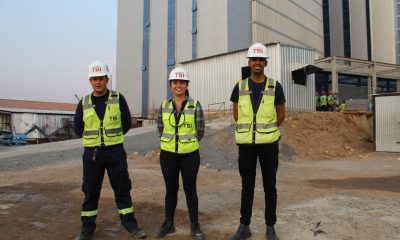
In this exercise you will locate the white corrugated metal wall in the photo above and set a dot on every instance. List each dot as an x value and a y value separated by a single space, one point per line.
297 96
387 123
22 122
212 79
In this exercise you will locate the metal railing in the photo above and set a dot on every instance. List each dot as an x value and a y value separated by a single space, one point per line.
221 107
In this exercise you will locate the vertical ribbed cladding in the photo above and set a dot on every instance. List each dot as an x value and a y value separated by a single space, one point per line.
213 78
387 123
297 96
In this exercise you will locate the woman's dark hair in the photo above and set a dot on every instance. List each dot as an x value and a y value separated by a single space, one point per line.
187 92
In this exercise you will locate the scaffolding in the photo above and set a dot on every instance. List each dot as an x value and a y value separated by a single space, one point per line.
371 69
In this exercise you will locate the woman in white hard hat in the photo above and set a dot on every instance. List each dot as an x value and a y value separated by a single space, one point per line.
180 127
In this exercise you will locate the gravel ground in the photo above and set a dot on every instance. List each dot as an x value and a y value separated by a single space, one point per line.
324 199
142 141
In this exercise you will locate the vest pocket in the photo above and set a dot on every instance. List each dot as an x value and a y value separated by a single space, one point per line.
113 132
90 134
264 109
166 137
244 110
267 131
187 138
243 127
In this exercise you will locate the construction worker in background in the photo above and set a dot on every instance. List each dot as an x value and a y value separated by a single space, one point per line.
323 101
370 106
259 110
331 101
180 127
336 101
342 106
101 119
317 101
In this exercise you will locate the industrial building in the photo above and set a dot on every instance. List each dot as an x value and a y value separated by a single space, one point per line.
156 36
209 38
362 29
42 120
213 78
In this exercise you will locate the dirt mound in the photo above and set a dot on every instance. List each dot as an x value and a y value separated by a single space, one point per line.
322 135
312 136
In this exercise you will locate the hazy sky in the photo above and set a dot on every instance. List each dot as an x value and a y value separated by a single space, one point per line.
46 46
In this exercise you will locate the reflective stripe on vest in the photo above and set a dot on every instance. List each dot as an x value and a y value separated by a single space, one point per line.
179 137
260 127
110 127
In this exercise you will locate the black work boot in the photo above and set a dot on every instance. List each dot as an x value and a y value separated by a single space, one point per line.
242 233
165 229
137 233
271 234
85 235
196 232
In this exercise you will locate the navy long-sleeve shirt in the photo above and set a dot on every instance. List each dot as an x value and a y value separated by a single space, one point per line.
100 108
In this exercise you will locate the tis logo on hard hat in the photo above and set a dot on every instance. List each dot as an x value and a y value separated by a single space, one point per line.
258 50
180 74
96 69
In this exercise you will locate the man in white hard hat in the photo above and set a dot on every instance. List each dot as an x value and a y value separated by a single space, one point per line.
259 110
101 119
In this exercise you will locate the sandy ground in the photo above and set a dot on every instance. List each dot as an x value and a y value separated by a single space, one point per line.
348 197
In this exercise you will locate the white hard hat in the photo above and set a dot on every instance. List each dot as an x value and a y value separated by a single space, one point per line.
98 69
179 73
257 50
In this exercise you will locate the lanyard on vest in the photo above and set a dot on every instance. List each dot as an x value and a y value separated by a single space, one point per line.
189 110
171 111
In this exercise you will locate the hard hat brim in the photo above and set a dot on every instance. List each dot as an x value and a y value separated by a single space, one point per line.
98 75
179 80
266 58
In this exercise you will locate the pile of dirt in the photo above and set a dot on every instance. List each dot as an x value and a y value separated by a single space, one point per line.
312 136
322 135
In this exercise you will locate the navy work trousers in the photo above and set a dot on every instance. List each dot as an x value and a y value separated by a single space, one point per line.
268 157
95 162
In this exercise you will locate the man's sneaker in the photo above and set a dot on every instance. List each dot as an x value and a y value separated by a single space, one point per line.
196 232
242 233
271 234
84 235
137 233
165 229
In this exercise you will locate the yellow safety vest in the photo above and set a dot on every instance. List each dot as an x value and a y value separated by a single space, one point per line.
342 107
179 137
260 127
323 100
109 130
331 101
